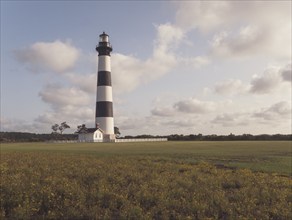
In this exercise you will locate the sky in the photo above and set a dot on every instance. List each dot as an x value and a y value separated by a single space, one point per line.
178 67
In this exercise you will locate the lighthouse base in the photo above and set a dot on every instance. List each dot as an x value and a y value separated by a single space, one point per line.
109 138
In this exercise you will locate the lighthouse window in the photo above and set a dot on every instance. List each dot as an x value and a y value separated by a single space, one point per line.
104 38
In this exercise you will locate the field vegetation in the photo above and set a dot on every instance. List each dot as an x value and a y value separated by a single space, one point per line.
163 180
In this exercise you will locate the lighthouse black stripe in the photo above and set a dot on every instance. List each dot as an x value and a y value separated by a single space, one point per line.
104 109
103 50
104 78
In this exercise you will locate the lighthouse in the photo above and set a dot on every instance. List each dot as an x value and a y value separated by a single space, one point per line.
104 119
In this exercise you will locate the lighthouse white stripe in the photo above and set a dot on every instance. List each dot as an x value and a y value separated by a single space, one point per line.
106 124
104 63
104 93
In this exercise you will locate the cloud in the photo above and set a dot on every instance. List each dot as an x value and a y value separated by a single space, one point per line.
286 73
240 28
190 106
134 123
194 106
277 111
267 82
231 119
54 56
69 113
182 123
156 125
85 82
224 119
248 40
210 16
163 111
73 114
128 72
274 115
230 87
205 16
130 123
271 79
169 37
194 62
74 104
18 125
59 96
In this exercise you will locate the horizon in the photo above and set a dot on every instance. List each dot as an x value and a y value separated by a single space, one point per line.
121 136
190 68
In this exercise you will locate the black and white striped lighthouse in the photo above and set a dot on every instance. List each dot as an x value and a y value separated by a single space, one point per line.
104 98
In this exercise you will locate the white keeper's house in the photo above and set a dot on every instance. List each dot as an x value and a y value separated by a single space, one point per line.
91 135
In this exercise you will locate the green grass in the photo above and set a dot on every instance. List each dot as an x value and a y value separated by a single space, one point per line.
154 180
266 156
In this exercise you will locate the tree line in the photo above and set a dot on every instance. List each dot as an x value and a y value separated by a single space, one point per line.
33 137
214 137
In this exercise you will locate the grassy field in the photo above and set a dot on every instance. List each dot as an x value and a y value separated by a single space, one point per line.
155 180
267 156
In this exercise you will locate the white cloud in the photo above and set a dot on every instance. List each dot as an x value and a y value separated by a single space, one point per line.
267 82
18 125
85 82
129 72
168 38
59 96
163 111
194 106
74 115
278 111
54 56
277 115
205 16
190 106
230 87
185 123
71 112
231 119
240 28
69 104
286 73
248 40
194 62
134 123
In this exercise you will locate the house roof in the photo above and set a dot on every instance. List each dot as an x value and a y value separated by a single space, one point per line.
92 130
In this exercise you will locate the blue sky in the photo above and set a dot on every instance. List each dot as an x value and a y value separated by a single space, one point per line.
212 67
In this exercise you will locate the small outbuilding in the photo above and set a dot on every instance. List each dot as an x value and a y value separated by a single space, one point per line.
91 135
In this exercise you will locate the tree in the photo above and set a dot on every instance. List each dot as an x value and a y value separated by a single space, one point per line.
81 129
60 128
63 126
117 131
55 128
